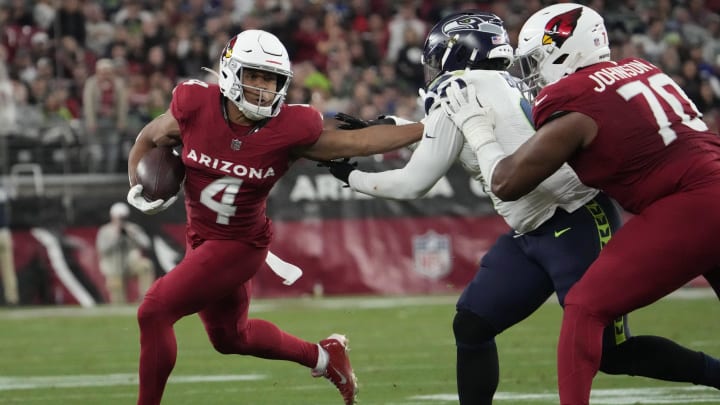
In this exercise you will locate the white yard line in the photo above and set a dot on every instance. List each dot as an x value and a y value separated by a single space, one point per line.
106 380
257 306
619 396
264 305
624 396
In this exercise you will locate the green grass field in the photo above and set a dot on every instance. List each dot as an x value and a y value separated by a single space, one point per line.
402 352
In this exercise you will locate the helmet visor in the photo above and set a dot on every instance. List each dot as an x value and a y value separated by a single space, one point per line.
430 73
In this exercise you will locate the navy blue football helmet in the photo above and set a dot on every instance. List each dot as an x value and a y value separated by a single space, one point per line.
466 40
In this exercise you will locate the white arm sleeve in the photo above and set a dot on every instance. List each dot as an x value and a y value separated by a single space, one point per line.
435 153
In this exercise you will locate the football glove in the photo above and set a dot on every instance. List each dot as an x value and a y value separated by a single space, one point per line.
476 122
136 199
341 169
351 122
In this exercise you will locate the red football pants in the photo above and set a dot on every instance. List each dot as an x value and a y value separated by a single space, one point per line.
670 243
214 281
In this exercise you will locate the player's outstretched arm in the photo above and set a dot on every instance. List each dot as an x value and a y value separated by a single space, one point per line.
348 121
429 162
338 143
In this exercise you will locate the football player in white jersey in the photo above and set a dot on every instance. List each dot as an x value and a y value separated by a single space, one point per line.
557 230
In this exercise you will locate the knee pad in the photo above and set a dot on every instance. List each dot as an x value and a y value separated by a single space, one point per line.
472 331
150 312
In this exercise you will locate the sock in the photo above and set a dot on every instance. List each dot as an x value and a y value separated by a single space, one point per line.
478 373
322 361
639 356
711 377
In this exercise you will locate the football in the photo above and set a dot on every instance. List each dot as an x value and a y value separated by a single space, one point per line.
161 173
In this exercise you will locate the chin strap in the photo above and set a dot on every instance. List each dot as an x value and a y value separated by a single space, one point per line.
211 71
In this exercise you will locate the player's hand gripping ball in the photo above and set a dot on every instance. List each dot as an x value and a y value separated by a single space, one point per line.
158 176
161 173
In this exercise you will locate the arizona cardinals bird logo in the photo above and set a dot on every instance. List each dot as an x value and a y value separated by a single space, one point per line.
561 27
229 48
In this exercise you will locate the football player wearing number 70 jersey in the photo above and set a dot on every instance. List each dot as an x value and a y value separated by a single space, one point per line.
238 138
628 129
557 230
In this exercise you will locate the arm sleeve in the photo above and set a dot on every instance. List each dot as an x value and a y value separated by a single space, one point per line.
435 153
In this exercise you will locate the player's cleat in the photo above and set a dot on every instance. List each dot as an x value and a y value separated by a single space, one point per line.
339 371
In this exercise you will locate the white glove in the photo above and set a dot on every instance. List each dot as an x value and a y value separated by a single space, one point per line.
476 122
136 199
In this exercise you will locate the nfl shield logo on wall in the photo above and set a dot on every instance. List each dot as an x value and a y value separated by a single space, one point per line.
431 254
235 144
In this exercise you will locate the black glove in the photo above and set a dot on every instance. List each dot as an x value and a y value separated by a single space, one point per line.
350 122
341 169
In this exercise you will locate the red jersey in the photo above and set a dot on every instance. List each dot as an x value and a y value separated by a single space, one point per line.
651 140
230 169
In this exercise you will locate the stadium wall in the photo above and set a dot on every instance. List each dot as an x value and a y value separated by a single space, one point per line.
345 243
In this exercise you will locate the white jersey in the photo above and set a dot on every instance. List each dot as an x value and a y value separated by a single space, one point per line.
443 143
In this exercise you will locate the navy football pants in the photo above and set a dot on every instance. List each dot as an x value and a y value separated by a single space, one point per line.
521 271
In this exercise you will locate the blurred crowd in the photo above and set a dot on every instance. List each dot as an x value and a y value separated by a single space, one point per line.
79 79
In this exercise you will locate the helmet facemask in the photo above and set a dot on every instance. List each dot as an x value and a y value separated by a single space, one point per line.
530 72
233 73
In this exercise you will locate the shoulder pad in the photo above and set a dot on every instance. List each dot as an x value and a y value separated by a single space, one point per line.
441 81
436 89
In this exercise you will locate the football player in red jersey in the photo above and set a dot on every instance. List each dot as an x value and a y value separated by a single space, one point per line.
628 129
238 138
558 229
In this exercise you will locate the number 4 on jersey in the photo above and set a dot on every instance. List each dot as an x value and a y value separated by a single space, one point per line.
225 208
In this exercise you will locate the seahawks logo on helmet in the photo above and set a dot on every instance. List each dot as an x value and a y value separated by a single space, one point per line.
474 23
463 23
